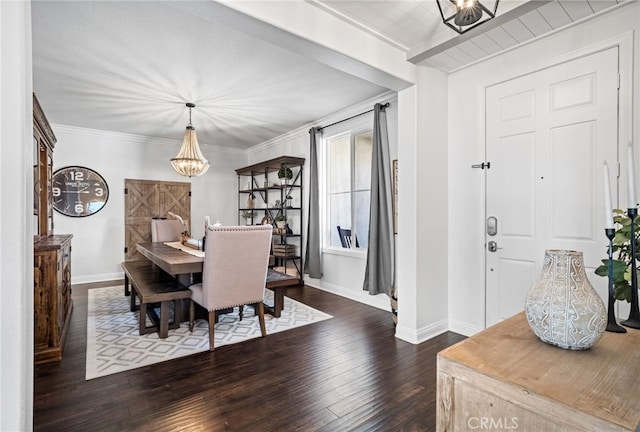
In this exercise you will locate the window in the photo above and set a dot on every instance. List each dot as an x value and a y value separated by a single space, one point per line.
349 186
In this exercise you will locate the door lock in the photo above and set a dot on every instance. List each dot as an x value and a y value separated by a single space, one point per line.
492 225
492 246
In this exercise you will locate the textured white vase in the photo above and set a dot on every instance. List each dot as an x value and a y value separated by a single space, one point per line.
563 308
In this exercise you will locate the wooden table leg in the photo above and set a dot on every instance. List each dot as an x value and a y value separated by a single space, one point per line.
126 285
278 301
143 318
132 299
164 320
178 308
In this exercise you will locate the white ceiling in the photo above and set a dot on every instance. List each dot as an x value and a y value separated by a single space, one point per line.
130 66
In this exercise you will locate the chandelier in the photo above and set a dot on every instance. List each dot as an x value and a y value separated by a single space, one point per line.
465 14
189 162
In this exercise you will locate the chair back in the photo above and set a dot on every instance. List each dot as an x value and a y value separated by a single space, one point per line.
345 238
235 265
165 230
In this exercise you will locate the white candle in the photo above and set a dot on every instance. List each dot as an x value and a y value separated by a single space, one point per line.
631 188
608 211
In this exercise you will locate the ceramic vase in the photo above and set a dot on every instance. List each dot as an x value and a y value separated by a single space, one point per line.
563 308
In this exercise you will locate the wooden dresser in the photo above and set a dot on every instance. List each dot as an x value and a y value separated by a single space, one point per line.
505 378
51 253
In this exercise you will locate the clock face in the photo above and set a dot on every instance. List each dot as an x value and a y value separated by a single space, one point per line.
78 191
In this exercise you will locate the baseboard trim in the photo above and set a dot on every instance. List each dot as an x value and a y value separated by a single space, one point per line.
423 334
379 301
97 278
464 328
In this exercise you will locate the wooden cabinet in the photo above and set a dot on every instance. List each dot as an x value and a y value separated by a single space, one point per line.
505 378
52 303
265 198
52 296
43 143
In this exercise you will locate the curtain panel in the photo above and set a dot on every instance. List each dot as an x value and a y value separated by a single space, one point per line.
312 261
380 270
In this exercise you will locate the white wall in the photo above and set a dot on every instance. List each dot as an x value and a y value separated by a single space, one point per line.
98 240
467 145
423 196
343 271
16 232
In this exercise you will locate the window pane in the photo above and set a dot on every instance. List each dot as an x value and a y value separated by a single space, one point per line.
361 210
340 165
362 161
339 214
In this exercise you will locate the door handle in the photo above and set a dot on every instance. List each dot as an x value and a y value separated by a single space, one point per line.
492 225
492 246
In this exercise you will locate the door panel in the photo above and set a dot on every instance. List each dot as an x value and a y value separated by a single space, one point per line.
573 146
547 135
517 154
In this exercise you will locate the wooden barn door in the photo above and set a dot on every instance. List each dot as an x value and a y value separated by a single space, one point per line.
147 199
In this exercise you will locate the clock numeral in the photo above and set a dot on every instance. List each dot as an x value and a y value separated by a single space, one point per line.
56 191
76 175
79 208
99 191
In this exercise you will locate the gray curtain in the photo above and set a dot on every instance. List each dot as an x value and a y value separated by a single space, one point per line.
312 264
380 271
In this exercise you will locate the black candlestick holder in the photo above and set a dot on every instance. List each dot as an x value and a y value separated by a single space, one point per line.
612 324
634 315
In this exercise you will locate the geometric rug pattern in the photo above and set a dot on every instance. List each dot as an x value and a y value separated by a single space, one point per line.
115 345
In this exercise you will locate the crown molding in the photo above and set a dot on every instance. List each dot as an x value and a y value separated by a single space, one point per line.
139 139
389 96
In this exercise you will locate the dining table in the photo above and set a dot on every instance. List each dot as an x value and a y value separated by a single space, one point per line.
186 266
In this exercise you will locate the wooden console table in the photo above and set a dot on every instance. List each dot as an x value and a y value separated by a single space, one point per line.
505 378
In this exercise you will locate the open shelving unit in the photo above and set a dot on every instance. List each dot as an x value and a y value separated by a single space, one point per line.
266 197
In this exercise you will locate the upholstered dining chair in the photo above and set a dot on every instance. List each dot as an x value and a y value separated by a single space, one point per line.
234 272
166 230
345 237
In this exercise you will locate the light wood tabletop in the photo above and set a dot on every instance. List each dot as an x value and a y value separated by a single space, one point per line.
506 372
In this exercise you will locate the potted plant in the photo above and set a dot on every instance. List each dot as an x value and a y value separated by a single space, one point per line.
285 174
247 214
280 220
622 256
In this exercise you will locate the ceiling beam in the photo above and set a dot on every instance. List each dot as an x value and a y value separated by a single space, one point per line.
430 48
310 31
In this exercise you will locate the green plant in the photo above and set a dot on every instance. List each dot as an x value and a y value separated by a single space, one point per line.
246 214
280 218
285 172
621 256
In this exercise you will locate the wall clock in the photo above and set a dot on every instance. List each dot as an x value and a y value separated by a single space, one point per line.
78 191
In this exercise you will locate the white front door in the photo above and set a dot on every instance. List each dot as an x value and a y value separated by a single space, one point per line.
548 134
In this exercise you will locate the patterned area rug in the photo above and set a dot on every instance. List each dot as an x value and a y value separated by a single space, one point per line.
115 345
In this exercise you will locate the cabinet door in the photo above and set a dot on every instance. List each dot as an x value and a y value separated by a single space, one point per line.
48 193
64 284
45 300
42 188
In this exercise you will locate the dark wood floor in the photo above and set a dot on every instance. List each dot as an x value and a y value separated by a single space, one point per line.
348 373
